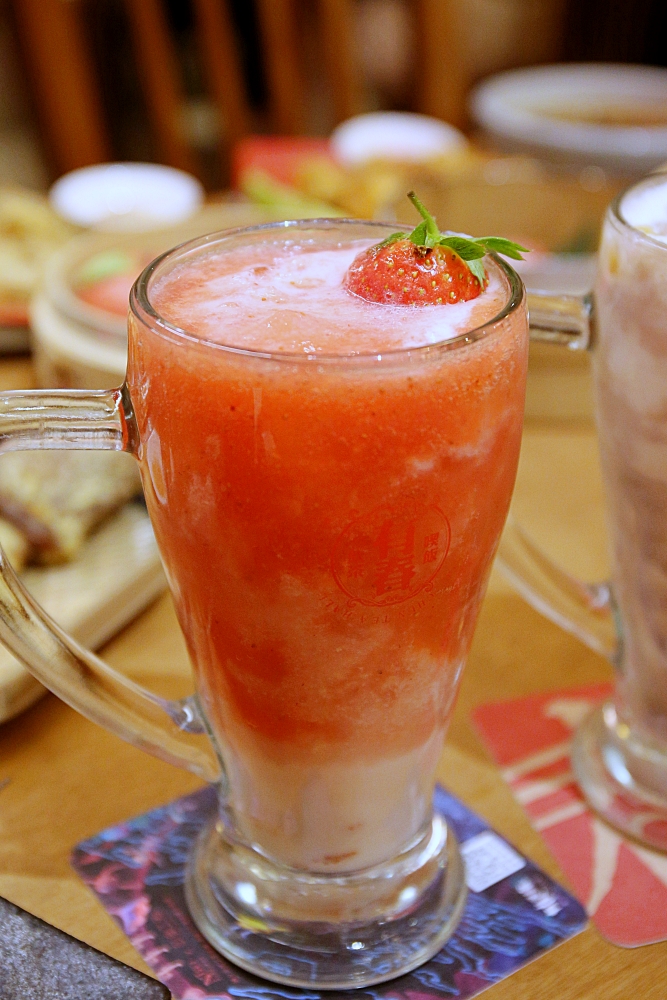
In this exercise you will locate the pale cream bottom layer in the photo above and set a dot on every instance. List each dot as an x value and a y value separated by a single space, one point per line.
336 817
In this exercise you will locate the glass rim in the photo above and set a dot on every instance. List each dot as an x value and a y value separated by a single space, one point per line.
143 310
616 215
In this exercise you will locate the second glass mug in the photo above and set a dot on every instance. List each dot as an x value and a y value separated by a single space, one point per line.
619 753
327 524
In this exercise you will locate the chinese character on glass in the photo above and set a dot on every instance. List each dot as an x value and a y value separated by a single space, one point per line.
395 566
431 548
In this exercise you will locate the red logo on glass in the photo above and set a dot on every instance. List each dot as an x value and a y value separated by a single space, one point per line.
392 553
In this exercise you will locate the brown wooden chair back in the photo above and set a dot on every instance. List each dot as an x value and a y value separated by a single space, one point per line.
68 94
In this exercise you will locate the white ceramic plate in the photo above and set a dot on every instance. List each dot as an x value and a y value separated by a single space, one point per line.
611 115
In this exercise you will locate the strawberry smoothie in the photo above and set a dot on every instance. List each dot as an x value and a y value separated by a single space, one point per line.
328 479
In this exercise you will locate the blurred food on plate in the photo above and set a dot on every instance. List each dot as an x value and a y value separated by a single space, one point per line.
50 501
471 190
29 233
78 317
105 279
285 172
288 173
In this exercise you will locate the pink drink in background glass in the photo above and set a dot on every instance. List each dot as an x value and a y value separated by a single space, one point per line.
631 388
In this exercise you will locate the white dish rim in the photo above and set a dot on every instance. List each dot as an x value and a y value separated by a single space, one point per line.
510 104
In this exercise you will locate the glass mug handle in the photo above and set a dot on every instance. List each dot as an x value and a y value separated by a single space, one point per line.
171 730
584 609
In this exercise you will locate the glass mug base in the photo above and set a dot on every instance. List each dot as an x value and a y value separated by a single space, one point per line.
623 779
327 931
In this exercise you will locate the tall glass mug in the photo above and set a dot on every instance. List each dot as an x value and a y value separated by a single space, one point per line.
327 521
620 750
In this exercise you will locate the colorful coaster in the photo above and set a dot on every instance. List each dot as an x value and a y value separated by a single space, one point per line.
623 885
513 914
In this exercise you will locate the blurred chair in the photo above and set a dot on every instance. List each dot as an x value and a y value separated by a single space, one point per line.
63 82
439 72
283 66
70 107
67 91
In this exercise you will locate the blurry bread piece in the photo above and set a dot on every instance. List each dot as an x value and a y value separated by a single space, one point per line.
56 498
29 232
14 544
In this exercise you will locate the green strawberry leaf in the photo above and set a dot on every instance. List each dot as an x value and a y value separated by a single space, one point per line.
419 235
477 269
466 249
496 244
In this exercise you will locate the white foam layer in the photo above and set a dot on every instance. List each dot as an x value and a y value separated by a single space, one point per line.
290 297
645 207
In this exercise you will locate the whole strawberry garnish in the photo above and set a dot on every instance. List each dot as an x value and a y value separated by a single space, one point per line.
408 275
424 267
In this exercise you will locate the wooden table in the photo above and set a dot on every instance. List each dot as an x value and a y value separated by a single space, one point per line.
68 779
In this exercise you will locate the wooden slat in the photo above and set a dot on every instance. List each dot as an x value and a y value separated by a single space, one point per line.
440 80
336 18
158 70
66 93
220 53
281 63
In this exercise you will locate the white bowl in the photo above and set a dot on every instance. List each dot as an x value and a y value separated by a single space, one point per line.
394 135
128 197
614 116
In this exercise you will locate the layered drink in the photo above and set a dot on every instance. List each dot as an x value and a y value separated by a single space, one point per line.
328 478
631 385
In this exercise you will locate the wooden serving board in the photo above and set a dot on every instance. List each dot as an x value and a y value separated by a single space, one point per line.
116 575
